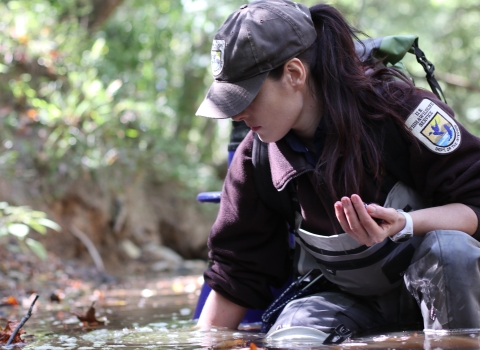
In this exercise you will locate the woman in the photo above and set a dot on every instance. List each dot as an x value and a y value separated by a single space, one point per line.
292 75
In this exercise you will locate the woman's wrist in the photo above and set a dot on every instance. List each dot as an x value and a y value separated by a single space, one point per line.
407 231
220 312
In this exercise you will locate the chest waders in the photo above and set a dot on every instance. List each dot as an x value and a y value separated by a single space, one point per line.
440 270
356 268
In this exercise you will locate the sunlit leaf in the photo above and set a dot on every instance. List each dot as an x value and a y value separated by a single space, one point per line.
97 48
37 248
132 133
37 214
113 87
19 230
37 227
50 224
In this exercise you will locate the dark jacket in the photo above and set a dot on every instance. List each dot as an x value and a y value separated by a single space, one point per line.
248 242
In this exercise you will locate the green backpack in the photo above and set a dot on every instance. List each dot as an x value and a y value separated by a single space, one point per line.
391 50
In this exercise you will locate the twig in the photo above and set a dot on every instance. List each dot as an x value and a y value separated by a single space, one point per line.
24 319
453 80
97 259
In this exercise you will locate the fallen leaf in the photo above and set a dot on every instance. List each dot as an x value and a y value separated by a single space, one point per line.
89 318
7 332
10 301
230 344
55 297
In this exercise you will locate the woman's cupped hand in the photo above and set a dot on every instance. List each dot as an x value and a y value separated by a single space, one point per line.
367 223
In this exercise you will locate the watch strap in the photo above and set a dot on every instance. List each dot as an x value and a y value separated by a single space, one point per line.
407 232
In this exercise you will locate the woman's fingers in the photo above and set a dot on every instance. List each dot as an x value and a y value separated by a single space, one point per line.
364 217
356 219
390 220
342 219
348 218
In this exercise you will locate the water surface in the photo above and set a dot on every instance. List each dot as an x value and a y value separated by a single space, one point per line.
157 315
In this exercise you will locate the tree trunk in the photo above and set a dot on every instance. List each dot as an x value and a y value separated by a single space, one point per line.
102 9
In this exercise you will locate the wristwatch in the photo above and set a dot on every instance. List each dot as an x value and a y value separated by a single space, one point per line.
407 232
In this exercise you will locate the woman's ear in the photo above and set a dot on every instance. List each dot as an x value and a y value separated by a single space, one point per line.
295 73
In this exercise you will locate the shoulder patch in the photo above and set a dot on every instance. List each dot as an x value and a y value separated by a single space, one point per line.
434 128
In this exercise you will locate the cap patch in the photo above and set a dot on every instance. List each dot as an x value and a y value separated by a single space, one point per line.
434 128
218 51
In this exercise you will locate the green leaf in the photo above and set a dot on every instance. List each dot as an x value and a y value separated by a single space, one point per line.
37 248
50 224
132 133
37 214
37 227
19 230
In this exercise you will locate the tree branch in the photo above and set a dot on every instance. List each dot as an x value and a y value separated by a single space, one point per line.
454 80
96 257
102 9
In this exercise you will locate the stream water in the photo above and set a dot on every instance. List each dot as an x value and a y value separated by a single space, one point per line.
158 315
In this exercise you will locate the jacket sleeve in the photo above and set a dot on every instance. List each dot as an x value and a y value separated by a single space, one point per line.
248 243
442 174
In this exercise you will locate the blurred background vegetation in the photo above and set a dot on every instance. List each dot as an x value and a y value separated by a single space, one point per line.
106 90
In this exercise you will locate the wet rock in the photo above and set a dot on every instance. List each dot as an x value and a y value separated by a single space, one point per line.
158 252
161 266
195 266
131 249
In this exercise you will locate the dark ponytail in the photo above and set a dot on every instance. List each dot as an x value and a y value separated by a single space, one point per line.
351 103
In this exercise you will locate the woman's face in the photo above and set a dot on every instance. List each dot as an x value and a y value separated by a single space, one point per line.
274 111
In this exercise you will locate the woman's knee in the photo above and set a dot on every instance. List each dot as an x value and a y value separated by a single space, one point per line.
449 247
325 311
444 277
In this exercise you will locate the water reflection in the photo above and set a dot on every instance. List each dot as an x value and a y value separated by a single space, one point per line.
157 315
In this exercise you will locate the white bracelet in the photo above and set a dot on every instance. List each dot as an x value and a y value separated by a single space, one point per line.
407 232
408 222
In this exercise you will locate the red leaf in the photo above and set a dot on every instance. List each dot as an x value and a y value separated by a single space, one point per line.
7 332
89 318
11 301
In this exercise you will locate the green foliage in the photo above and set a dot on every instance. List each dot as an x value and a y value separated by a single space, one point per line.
448 34
18 222
121 99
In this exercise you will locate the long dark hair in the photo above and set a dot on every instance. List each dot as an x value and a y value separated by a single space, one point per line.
352 102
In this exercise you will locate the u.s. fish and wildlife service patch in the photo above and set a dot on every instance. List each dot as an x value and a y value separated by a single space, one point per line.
434 128
217 56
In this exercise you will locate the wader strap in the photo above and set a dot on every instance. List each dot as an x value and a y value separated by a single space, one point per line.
338 335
